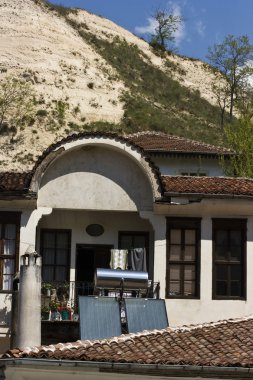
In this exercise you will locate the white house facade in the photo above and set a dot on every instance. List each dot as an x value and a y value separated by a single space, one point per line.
90 193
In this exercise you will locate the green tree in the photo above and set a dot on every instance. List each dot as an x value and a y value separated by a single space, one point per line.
232 57
239 137
16 101
166 25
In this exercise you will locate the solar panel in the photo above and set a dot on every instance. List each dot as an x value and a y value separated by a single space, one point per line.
99 317
145 314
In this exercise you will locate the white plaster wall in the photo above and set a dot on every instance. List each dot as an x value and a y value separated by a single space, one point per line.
113 222
95 178
177 165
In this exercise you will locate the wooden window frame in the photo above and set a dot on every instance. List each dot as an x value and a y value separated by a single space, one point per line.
183 224
228 225
9 217
55 231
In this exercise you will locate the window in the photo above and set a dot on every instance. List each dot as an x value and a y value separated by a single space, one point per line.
55 252
9 248
229 252
183 259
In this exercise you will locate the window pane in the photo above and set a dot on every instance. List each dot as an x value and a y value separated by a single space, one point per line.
174 288
190 236
126 242
175 251
8 272
174 271
235 237
221 252
222 238
48 256
189 272
189 288
48 240
221 288
175 236
236 253
10 231
235 272
55 255
9 239
236 288
221 272
48 274
189 252
139 241
62 257
62 240
60 274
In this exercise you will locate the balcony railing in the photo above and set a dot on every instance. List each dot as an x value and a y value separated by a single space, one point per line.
59 300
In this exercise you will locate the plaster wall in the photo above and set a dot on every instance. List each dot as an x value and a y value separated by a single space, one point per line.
95 178
177 165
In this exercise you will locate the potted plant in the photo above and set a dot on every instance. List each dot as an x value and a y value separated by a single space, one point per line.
66 313
45 310
54 306
46 288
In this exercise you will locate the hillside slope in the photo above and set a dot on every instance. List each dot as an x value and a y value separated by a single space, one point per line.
105 77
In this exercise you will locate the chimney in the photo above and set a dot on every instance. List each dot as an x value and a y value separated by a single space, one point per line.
29 320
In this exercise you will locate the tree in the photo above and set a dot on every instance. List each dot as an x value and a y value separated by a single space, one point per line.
16 102
239 136
232 57
221 91
166 25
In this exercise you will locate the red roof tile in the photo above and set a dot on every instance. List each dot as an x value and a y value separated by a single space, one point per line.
207 185
225 343
158 141
10 181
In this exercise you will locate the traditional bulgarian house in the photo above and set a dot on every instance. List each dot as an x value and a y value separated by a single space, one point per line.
90 193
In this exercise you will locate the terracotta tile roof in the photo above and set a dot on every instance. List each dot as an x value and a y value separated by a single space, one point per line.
10 181
158 141
225 343
207 185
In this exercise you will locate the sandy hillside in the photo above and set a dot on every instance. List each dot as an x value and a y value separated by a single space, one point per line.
41 47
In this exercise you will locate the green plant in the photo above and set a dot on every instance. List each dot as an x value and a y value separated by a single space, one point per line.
16 102
45 309
54 305
41 113
45 286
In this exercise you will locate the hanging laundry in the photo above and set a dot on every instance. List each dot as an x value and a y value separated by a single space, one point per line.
118 259
137 259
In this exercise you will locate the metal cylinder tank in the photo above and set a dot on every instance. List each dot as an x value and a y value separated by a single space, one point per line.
118 279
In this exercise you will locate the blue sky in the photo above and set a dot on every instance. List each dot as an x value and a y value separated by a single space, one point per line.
206 22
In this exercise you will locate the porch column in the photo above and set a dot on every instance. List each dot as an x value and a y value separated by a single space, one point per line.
159 225
206 260
29 318
29 222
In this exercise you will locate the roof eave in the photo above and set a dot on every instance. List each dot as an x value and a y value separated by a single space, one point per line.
168 194
16 195
135 368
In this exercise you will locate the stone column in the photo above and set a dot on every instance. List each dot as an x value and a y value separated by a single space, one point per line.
29 319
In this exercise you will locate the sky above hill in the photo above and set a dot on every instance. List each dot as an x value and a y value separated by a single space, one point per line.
206 22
